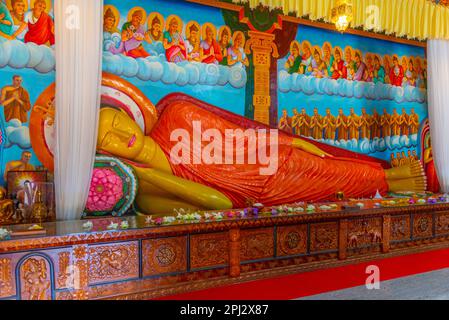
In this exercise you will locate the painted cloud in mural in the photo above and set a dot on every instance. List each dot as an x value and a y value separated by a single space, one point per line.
377 145
344 88
19 55
156 68
17 134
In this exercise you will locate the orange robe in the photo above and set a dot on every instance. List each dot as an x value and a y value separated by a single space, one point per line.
300 175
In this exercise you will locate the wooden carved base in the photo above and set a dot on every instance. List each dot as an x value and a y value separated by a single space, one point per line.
152 262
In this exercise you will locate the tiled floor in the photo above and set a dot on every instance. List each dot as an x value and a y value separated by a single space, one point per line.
426 286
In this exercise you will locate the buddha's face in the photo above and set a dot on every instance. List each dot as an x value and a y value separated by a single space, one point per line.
119 135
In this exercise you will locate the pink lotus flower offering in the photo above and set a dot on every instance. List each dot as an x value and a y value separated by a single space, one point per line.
105 191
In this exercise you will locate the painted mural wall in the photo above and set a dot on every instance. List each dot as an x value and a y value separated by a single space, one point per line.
361 94
27 67
369 95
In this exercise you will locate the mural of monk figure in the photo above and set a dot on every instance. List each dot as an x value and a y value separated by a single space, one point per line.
20 165
396 72
304 123
328 57
342 125
385 123
338 69
193 42
304 171
316 125
395 122
41 29
359 67
15 101
353 125
379 71
410 74
110 21
369 74
154 32
414 122
329 125
293 64
295 122
18 9
210 49
387 65
236 53
6 22
365 123
349 63
319 67
224 40
133 35
175 50
285 122
375 125
405 123
394 161
307 58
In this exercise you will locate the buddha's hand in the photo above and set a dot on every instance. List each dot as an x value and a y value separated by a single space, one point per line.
310 148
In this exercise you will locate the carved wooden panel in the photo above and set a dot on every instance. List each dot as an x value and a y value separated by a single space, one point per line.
113 262
164 255
7 285
323 236
422 225
208 250
256 244
35 278
400 228
292 240
364 232
442 224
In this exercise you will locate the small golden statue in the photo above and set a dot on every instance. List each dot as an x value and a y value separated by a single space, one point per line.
39 211
340 196
6 209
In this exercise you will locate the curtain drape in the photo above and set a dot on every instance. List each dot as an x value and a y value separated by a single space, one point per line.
78 31
438 96
420 19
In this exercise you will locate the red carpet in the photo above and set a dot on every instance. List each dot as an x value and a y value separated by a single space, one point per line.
315 282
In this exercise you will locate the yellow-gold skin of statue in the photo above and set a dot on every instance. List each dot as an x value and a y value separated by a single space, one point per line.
160 191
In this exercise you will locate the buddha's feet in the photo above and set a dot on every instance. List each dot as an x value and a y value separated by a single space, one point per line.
407 178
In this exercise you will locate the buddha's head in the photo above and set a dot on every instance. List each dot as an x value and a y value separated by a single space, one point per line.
119 135
2 193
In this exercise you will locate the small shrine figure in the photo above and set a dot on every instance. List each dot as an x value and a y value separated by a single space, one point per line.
39 211
6 209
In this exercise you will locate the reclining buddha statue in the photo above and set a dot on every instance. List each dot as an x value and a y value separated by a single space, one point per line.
305 172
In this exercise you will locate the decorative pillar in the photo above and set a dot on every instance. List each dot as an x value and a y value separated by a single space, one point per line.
263 48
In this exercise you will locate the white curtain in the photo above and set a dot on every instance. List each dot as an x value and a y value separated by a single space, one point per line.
438 99
78 31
